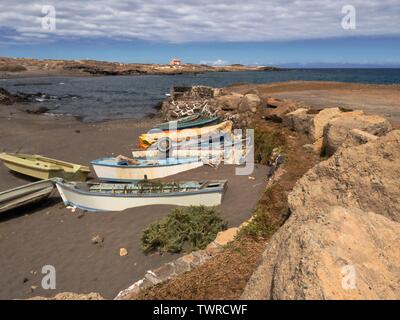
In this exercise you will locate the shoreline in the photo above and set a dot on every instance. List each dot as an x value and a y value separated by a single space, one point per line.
20 67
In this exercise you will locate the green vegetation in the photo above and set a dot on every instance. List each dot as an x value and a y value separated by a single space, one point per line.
188 229
271 211
264 143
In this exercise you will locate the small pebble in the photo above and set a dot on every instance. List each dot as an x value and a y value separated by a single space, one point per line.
97 239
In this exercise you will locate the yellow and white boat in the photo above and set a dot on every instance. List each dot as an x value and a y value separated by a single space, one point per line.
44 168
177 136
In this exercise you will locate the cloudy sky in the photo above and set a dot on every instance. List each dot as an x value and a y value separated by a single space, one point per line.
209 31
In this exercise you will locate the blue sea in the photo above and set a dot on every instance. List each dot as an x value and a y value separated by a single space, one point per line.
121 97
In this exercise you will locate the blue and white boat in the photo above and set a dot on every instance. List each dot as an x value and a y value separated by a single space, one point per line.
125 170
121 196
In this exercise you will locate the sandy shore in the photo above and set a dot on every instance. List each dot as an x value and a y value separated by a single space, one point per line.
51 234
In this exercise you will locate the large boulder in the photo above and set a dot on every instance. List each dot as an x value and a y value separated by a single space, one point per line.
337 254
337 129
229 102
276 109
321 119
299 120
365 177
250 102
340 241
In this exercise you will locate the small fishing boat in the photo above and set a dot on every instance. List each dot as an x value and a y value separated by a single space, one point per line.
166 138
42 167
125 169
26 194
187 122
118 197
230 152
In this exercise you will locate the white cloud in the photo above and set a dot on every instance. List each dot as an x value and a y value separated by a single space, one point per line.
200 20
218 62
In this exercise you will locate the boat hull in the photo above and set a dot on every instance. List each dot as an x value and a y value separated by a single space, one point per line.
178 136
24 195
135 173
44 168
96 202
188 124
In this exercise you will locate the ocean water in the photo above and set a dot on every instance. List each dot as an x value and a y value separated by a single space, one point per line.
120 97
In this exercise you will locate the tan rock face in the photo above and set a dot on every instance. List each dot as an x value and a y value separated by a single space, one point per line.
364 177
250 102
277 109
299 120
321 120
341 241
357 137
224 237
337 129
229 102
339 254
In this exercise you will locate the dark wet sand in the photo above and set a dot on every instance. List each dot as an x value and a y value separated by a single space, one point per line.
51 234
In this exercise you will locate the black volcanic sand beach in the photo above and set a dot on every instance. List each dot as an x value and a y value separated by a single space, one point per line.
50 234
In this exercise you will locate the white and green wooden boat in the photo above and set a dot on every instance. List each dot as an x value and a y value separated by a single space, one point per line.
27 194
121 196
43 168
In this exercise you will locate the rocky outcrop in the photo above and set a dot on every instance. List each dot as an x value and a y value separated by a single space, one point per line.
299 120
229 102
365 177
93 67
250 102
321 119
276 109
337 129
341 253
340 241
241 109
7 98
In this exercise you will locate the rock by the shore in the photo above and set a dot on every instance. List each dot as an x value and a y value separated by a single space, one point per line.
276 109
321 119
365 177
337 129
229 102
340 253
37 110
345 222
250 102
299 120
7 98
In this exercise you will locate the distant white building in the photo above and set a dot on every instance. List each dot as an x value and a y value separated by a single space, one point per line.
175 62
